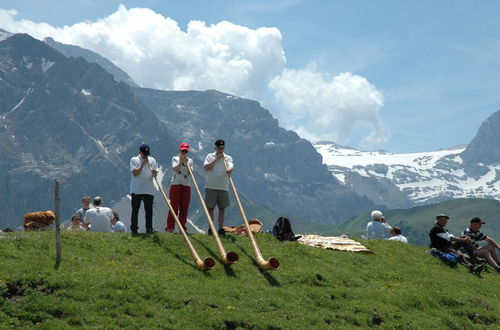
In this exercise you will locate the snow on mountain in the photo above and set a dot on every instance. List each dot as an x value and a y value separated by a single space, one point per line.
423 177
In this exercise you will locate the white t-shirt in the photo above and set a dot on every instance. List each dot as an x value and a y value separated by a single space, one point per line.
377 229
399 238
100 219
79 228
181 176
143 183
217 177
119 227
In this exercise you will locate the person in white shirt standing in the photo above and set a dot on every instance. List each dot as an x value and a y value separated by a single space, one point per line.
99 218
142 169
378 227
217 182
396 235
180 188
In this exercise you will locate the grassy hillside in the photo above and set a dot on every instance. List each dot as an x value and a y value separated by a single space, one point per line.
115 280
416 222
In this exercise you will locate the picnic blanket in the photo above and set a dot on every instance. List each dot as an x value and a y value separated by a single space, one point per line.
333 243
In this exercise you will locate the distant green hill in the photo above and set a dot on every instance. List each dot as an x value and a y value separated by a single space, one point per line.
118 281
416 222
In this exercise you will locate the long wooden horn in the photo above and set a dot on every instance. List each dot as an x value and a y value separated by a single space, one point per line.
229 257
206 264
272 263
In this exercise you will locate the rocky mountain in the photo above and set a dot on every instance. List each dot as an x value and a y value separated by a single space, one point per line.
484 150
273 166
91 57
402 180
67 119
63 117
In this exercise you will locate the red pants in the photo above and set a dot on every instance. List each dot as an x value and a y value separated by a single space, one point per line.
180 196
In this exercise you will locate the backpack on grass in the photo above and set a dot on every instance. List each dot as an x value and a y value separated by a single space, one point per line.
282 230
448 258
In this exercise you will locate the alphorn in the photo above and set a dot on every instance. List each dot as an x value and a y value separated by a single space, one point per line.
229 257
206 264
272 263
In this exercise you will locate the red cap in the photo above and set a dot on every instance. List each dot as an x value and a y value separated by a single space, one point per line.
184 146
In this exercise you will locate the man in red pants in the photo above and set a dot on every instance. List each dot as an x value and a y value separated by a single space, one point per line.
180 187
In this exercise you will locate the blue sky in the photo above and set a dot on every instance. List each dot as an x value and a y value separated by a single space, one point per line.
434 66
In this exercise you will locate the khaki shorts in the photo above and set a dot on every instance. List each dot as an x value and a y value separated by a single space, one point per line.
216 197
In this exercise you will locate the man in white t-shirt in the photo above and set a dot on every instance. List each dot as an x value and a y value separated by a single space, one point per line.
142 169
180 188
99 218
378 227
217 181
396 235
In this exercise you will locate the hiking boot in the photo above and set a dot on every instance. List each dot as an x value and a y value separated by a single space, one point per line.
476 269
209 232
221 231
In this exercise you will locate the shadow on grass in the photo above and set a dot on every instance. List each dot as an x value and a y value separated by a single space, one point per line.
270 278
227 268
156 240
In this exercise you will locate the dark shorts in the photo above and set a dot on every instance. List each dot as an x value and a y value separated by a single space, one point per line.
216 197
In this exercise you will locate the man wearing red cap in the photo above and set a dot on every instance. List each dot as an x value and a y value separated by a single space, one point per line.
180 187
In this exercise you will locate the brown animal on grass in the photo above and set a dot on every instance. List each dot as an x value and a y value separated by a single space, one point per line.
38 220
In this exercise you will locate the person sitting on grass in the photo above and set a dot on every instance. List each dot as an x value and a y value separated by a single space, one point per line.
396 235
116 225
487 252
76 223
99 218
442 241
378 227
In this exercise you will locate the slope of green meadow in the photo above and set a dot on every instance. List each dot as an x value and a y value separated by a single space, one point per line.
116 280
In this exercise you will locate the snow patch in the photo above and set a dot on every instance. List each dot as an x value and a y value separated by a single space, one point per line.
86 92
421 176
46 64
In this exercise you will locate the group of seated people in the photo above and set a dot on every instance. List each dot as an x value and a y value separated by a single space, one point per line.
96 217
472 248
378 228
468 248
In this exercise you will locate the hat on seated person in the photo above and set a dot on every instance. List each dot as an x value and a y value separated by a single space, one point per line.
377 215
477 220
442 216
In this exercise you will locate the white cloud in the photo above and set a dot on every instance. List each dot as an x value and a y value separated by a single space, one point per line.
156 53
320 107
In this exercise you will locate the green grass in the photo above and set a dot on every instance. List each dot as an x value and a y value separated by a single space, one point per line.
114 280
416 222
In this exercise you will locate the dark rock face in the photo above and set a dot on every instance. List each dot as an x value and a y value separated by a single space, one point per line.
66 119
273 166
91 57
484 148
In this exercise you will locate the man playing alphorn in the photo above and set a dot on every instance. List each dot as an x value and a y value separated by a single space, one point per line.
217 182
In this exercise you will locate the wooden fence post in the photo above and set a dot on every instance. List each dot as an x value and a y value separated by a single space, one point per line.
58 225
